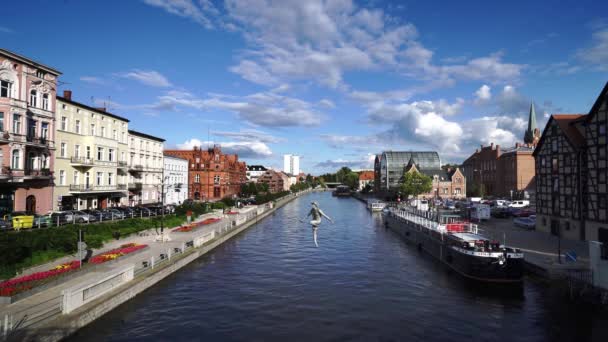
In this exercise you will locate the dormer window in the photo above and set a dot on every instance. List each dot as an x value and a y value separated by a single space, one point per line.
40 74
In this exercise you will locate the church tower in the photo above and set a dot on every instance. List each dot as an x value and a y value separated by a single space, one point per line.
532 134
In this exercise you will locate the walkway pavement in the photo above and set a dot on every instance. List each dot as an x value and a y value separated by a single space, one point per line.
539 248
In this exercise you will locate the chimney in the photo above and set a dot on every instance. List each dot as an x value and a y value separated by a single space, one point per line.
101 109
492 145
517 145
67 94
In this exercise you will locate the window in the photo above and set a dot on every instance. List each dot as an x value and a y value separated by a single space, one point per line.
87 179
601 176
64 123
554 166
123 156
77 151
99 178
93 131
88 152
216 179
111 154
40 74
110 178
103 131
44 132
124 138
45 101
6 89
602 201
554 145
77 126
197 178
555 184
63 150
100 153
16 161
33 98
115 135
61 177
601 151
16 123
1 122
76 177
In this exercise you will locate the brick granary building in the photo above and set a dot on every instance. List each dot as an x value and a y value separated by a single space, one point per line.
212 175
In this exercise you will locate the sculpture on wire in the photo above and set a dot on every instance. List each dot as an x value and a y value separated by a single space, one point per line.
317 214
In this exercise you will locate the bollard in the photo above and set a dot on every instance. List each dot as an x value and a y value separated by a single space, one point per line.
152 261
183 247
169 254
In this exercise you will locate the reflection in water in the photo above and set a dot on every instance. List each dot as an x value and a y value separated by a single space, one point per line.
363 283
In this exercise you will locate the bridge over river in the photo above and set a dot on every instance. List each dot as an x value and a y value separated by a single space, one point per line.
363 283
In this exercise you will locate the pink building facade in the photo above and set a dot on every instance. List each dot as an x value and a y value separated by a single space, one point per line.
27 134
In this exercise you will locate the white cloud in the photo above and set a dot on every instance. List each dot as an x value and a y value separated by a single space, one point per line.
326 103
200 12
483 94
363 162
93 80
265 109
250 135
151 77
597 54
244 149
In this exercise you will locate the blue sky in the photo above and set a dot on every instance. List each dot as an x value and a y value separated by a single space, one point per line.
332 81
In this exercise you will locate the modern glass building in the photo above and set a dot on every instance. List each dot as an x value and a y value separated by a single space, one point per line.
393 164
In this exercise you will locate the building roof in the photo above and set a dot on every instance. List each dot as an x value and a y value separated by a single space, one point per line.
366 175
26 60
423 160
144 135
256 168
566 125
173 157
518 148
93 109
598 102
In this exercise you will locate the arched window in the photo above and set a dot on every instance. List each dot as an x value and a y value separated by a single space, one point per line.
33 98
45 101
16 160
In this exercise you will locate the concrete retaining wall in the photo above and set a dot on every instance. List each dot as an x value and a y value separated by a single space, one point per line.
68 324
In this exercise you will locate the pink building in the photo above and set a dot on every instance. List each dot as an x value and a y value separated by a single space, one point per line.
27 133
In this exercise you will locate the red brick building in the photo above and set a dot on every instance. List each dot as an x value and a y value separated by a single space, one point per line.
212 175
277 181
504 172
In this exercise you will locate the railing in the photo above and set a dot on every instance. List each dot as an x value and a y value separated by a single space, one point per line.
85 188
13 321
136 185
81 160
121 186
39 173
122 164
38 140
137 167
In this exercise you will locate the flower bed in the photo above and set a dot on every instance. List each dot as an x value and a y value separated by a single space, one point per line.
192 226
232 212
116 253
17 285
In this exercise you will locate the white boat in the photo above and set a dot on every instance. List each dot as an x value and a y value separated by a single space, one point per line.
376 206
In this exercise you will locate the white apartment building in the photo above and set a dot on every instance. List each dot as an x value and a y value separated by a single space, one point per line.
291 164
254 172
176 179
145 168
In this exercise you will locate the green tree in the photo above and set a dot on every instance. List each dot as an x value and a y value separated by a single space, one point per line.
367 188
415 183
341 174
352 180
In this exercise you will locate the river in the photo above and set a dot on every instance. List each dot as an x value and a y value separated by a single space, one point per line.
362 283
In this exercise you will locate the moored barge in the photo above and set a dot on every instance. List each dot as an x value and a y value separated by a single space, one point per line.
459 245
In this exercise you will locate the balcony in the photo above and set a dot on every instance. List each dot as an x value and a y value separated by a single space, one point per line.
122 164
81 161
38 141
136 186
38 174
79 188
136 167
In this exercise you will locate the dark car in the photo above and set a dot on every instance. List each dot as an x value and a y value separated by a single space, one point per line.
59 218
128 211
96 215
115 214
501 212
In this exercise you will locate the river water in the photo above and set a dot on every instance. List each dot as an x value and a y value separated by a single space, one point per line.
362 283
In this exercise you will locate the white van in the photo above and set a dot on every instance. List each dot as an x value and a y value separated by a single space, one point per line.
519 204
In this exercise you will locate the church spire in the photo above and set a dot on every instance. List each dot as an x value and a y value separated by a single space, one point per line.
530 135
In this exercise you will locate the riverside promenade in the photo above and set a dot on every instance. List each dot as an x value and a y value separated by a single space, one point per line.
59 311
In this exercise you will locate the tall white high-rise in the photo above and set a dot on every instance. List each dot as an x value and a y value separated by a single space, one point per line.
291 164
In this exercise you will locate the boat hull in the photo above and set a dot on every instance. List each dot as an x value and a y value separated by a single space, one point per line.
484 269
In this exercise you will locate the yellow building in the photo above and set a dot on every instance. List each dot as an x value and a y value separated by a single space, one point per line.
91 169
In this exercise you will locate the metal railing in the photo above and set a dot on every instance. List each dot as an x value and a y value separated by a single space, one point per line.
81 161
14 320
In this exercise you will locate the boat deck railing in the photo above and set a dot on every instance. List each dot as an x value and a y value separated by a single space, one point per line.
431 220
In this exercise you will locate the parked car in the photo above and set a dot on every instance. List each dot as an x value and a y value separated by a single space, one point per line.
519 204
60 218
42 220
500 212
525 222
522 212
142 212
77 216
97 215
4 225
501 203
115 214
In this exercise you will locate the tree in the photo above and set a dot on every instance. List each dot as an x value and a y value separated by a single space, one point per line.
352 180
415 183
341 174
367 188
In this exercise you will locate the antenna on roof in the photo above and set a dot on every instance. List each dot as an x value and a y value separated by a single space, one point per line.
108 104
92 101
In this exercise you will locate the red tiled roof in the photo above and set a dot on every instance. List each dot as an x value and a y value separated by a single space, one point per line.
366 175
565 122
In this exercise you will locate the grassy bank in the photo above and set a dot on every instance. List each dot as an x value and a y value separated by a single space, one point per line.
24 249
